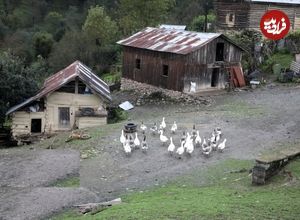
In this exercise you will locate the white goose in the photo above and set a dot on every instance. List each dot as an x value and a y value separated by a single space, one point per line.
162 137
127 148
218 131
174 127
136 142
183 137
131 142
222 145
180 150
214 145
163 124
188 140
217 138
194 132
143 127
204 144
207 151
144 145
171 147
154 129
190 147
122 138
198 139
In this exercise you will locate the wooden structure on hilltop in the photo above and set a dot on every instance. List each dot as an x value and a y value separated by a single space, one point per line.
237 15
72 98
172 59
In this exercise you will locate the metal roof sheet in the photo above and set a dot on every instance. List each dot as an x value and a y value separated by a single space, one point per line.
279 1
168 40
176 27
54 82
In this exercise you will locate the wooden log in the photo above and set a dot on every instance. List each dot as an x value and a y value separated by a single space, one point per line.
97 207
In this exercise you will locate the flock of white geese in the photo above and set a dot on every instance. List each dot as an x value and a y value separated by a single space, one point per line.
188 141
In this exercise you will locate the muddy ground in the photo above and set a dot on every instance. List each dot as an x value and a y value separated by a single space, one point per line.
252 122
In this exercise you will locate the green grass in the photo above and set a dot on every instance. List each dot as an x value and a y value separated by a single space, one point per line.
87 147
223 195
282 58
73 181
240 109
111 78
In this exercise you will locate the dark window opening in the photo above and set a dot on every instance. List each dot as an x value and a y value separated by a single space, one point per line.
68 88
165 70
64 117
71 88
36 125
138 63
220 52
215 78
231 17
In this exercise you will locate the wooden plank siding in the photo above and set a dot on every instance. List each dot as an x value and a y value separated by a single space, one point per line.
151 67
199 64
238 8
248 14
195 66
21 122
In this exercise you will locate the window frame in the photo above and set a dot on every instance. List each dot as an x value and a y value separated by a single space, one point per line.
165 70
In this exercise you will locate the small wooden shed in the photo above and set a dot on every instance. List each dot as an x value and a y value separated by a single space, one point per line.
172 59
72 98
237 15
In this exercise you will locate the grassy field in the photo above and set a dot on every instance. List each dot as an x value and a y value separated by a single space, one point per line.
73 181
221 192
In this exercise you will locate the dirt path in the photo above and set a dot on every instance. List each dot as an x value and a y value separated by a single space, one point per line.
251 121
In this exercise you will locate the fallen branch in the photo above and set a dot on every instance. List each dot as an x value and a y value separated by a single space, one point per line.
97 207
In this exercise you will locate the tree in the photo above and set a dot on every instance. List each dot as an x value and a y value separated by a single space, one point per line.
99 27
55 25
138 14
185 11
43 43
16 85
198 23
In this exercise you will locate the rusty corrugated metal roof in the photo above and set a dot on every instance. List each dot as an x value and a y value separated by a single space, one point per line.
168 40
54 82
294 2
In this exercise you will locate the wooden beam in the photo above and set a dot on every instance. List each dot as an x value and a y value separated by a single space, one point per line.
76 85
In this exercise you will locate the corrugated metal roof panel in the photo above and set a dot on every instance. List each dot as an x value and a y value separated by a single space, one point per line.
176 27
168 40
279 1
54 82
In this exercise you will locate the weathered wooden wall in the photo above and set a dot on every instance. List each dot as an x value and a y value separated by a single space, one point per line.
200 65
183 69
151 70
21 122
88 122
258 10
248 15
239 8
74 101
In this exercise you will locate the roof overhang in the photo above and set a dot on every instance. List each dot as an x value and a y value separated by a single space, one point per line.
56 81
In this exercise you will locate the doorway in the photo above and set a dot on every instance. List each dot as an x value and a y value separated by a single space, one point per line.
215 77
36 125
64 117
220 52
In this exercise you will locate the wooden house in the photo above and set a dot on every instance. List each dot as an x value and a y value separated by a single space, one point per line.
72 98
237 15
172 59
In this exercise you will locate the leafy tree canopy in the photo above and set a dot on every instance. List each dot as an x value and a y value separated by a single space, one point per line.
99 26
